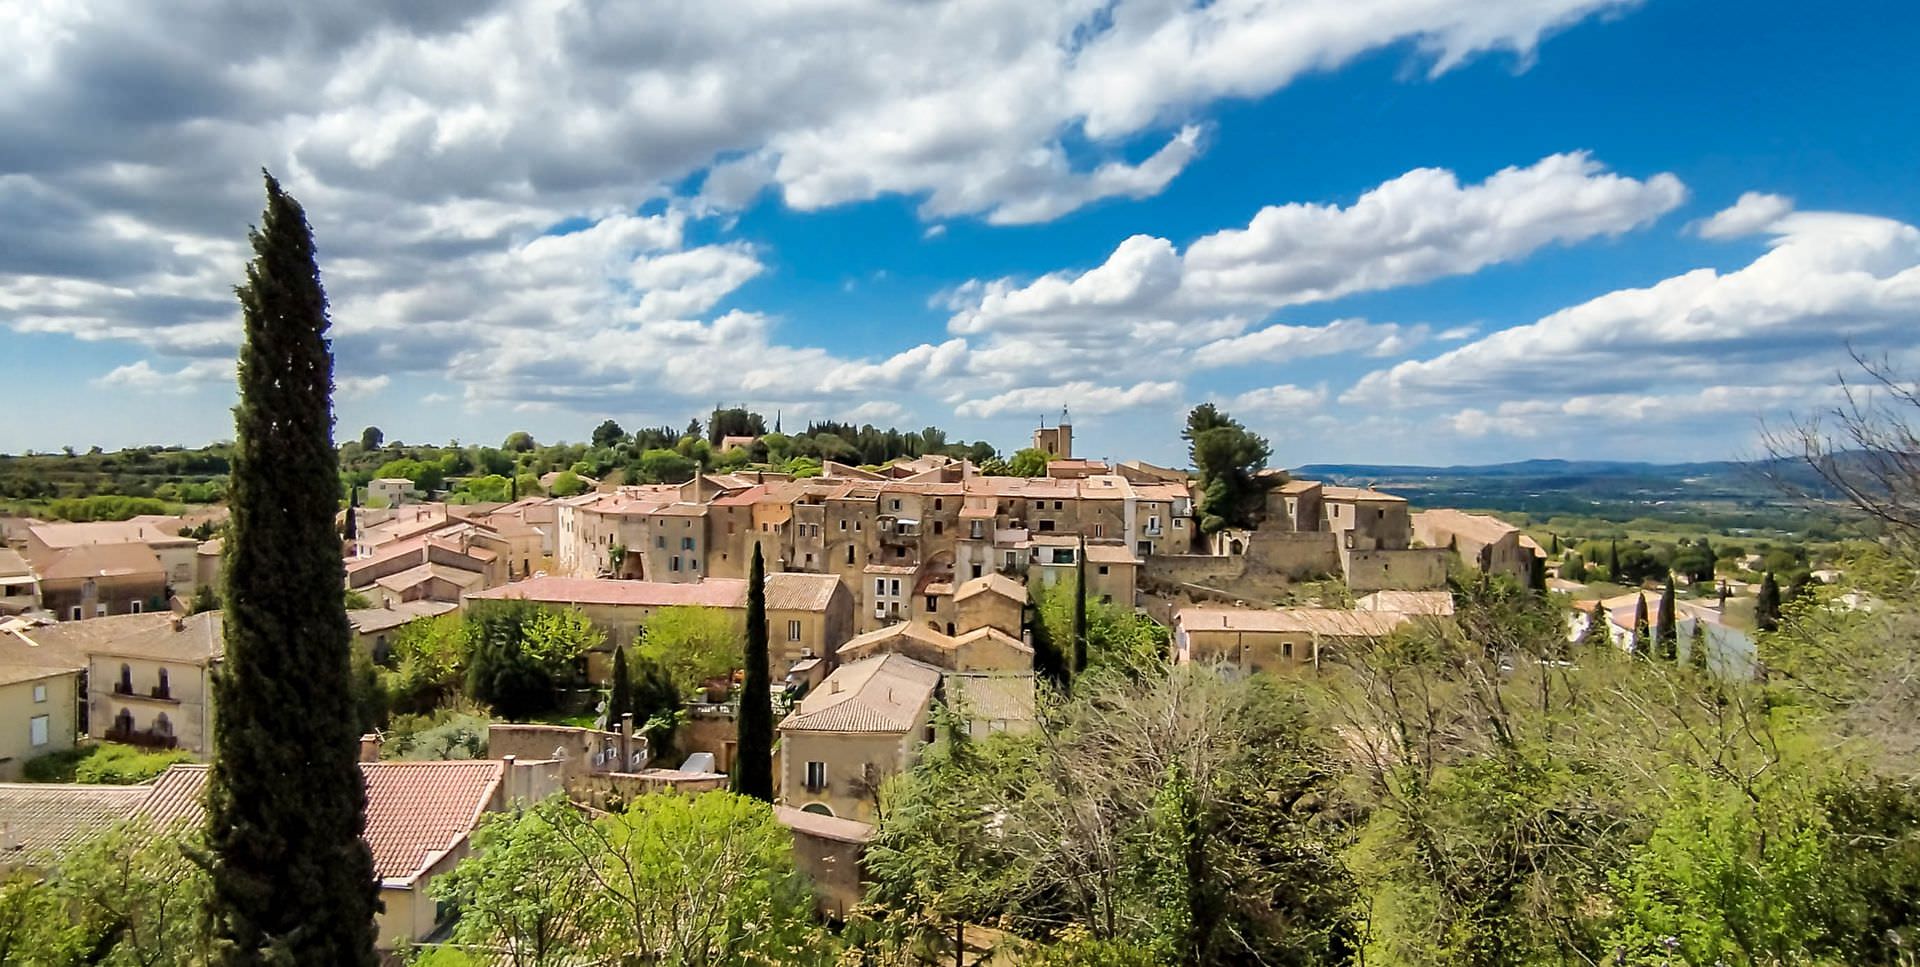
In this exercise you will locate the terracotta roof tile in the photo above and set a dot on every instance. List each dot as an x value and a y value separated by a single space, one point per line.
43 818
416 811
712 592
885 693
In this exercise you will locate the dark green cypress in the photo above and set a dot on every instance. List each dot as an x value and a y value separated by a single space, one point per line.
620 696
353 506
1642 643
1766 608
1613 561
1080 610
292 880
513 486
1599 627
753 765
1666 628
1697 648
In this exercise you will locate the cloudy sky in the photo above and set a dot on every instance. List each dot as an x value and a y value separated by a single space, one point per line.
1377 230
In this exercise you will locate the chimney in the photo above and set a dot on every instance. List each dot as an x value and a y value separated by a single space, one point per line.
370 747
178 623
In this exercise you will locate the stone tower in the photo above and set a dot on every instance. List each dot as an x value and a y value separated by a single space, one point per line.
1056 441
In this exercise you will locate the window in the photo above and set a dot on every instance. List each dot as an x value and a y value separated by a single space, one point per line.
1103 569
164 690
843 523
933 603
879 585
896 504
976 570
937 527
135 608
1286 649
849 553
126 679
1046 525
816 776
686 543
674 564
899 552
75 616
896 587
1098 531
1179 523
1057 505
936 503
37 730
793 631
39 693
693 565
979 530
660 542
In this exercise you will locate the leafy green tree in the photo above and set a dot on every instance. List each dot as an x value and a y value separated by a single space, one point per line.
519 441
527 891
1573 568
665 466
696 880
138 895
426 662
1766 607
35 925
753 762
1028 462
567 484
608 433
1228 459
292 885
692 644
371 439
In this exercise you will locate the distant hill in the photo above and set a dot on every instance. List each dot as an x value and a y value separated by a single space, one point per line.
1608 488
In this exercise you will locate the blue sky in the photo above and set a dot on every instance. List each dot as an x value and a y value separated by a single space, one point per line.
1403 231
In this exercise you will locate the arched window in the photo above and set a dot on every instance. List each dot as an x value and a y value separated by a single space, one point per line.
162 727
165 692
126 679
817 808
123 722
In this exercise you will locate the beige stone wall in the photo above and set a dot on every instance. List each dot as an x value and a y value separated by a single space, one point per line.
987 609
119 596
188 708
1413 569
57 701
833 866
1251 651
854 761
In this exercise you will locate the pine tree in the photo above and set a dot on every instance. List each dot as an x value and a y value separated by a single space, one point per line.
1697 648
1666 630
1642 645
620 696
353 513
292 881
1080 611
753 760
1766 608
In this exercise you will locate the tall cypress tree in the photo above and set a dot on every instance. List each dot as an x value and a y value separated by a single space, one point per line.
753 765
292 880
353 507
620 697
1642 646
1080 610
1666 628
1599 627
1697 648
1613 561
1766 609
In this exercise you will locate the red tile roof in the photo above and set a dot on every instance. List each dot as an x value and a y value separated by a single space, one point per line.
712 592
416 811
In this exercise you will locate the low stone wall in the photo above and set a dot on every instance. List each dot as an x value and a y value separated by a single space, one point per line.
1412 569
611 791
1295 555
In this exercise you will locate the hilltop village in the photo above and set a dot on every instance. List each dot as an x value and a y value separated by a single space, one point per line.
897 597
